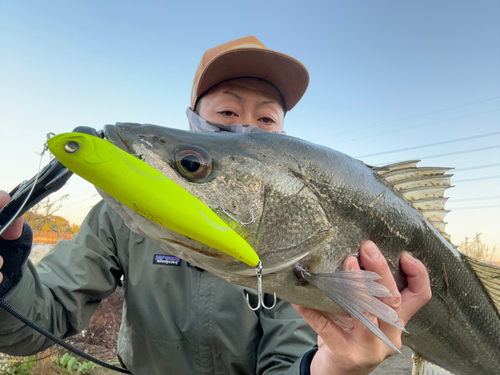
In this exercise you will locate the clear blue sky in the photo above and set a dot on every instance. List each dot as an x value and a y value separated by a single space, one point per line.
385 76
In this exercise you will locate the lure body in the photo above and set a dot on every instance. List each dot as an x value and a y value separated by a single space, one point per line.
148 192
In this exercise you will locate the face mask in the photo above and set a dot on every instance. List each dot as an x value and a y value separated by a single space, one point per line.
198 124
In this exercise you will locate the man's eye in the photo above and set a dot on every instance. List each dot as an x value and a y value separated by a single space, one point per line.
267 120
227 113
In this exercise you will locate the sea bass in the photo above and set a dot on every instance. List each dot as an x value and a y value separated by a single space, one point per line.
304 208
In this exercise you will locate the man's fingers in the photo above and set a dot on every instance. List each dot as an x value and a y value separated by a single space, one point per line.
418 291
372 260
414 270
14 231
4 198
363 334
322 322
351 263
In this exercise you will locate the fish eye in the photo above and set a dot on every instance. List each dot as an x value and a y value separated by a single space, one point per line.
193 163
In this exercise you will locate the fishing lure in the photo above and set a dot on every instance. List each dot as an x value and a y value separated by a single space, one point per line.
148 192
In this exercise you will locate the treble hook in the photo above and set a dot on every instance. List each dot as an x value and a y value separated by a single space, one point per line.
260 294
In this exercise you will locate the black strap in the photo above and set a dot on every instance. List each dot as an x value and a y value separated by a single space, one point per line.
7 307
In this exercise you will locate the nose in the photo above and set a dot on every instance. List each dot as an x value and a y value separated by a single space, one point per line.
247 119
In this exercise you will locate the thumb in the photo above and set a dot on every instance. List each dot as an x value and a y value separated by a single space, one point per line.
14 231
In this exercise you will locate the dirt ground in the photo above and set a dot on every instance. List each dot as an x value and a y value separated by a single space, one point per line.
100 338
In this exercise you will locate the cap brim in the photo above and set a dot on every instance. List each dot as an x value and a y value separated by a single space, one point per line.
286 73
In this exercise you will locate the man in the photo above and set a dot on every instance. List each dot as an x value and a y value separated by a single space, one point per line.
179 319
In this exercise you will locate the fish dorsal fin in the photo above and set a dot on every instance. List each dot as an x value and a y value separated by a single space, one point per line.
396 166
423 186
489 275
409 173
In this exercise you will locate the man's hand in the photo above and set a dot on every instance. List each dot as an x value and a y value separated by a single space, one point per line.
14 231
357 350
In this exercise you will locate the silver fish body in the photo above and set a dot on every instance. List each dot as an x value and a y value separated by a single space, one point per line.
312 207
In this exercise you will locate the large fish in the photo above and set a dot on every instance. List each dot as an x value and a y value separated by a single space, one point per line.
304 208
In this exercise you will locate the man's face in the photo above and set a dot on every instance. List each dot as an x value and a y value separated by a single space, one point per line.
244 101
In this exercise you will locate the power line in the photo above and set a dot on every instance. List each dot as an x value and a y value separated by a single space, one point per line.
448 154
477 179
475 199
80 201
409 118
477 167
475 207
413 127
430 144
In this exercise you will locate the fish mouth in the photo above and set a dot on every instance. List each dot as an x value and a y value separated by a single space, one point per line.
216 255
111 133
216 261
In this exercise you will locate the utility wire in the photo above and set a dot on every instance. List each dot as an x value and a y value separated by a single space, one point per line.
447 154
475 207
477 167
475 199
412 127
409 118
477 179
430 145
81 200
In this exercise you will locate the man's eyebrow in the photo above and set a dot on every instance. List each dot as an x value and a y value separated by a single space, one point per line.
233 94
266 102
240 98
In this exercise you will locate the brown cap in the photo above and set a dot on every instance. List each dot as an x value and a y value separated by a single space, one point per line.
248 57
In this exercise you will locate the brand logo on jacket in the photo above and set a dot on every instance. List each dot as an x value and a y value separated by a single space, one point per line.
166 260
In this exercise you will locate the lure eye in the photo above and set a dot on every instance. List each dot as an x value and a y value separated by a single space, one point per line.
193 163
71 147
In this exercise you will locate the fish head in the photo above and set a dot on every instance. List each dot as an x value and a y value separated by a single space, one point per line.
249 181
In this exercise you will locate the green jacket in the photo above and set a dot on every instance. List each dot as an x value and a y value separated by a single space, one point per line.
176 319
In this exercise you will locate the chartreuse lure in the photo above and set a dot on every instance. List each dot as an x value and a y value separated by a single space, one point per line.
148 192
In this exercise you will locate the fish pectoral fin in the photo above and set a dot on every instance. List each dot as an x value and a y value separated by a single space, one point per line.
356 292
